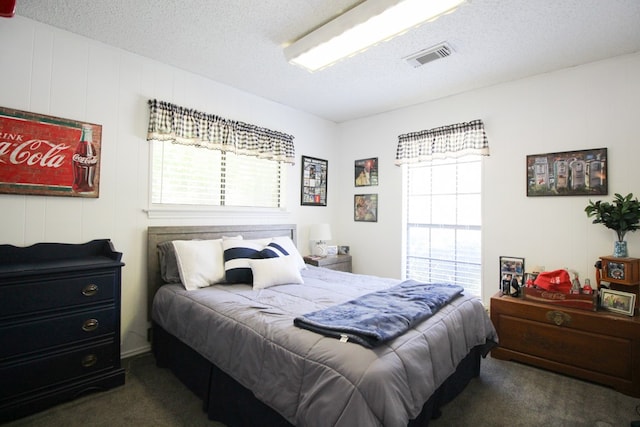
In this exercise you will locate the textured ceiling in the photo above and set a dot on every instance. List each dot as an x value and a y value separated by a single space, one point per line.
240 43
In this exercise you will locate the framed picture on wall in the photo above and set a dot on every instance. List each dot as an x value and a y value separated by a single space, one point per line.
365 207
568 173
366 172
314 181
49 156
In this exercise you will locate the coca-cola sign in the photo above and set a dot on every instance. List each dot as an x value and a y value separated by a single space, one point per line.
48 155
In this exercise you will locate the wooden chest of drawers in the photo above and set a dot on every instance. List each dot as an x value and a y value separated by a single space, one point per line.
59 324
596 346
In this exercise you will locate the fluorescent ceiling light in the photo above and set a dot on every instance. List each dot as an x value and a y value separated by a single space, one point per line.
362 27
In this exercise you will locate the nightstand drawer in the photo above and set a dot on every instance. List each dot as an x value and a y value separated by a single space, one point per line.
340 266
332 262
28 297
31 374
26 337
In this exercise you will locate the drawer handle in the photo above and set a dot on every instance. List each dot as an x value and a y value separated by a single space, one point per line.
90 325
558 317
90 290
89 360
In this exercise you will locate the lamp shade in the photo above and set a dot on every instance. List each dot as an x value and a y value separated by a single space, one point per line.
320 232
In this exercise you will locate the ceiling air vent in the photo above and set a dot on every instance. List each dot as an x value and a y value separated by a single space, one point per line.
418 59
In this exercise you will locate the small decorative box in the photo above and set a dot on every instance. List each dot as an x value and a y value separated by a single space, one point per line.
625 271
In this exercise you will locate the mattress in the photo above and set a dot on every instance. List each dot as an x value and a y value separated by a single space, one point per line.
315 380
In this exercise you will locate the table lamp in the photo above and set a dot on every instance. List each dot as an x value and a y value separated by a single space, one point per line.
319 234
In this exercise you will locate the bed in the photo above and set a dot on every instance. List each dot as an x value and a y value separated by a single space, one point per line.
236 347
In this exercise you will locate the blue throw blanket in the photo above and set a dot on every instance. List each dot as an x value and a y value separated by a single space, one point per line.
375 318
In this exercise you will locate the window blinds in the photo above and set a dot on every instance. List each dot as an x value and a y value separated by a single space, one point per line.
443 222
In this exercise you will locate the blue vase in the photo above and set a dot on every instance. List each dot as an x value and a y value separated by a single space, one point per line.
620 249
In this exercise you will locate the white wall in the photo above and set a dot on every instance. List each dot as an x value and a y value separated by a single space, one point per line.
48 71
53 72
591 106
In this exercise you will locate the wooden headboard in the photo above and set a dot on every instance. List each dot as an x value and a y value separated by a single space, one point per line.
156 235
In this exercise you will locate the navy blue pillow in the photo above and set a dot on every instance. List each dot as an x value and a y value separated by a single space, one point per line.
237 254
273 250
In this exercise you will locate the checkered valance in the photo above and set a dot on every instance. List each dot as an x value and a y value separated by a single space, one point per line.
169 122
446 141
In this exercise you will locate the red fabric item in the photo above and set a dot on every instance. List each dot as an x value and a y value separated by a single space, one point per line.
556 281
7 8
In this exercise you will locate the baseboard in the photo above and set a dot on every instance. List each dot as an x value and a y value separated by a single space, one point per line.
136 352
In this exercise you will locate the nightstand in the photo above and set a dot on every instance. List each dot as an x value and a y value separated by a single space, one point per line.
332 262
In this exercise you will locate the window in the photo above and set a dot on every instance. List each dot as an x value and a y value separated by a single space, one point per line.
191 175
203 159
443 221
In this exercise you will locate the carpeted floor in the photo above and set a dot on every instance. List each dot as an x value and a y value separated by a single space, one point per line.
509 394
506 394
150 397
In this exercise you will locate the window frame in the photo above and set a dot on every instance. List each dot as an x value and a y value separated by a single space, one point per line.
406 216
194 211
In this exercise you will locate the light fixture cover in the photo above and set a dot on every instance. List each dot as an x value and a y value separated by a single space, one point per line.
362 27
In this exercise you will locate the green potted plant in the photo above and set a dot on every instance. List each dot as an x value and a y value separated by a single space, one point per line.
621 215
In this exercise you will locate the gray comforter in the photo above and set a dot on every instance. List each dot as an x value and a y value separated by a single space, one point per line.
310 379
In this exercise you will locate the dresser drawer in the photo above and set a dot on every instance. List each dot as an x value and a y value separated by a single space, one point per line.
568 346
38 295
31 374
43 333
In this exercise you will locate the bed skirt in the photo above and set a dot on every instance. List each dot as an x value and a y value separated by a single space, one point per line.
230 403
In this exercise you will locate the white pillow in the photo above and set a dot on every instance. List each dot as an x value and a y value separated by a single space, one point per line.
200 262
288 245
274 271
264 241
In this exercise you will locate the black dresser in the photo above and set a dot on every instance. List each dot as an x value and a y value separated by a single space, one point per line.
59 324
